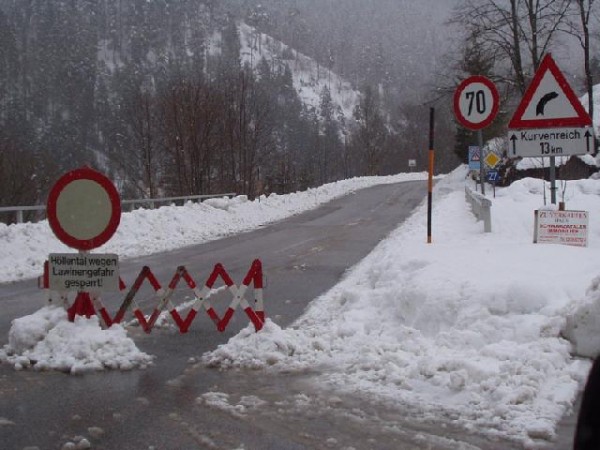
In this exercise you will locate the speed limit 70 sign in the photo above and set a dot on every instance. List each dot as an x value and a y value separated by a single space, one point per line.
476 102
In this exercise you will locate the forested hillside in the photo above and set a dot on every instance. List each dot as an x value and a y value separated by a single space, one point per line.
159 95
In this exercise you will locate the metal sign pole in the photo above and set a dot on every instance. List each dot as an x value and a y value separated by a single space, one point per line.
481 161
553 180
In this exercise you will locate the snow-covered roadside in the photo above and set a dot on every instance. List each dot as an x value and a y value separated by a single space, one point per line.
24 247
469 327
45 340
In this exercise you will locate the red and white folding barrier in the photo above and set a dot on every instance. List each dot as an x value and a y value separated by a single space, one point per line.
202 298
87 304
255 273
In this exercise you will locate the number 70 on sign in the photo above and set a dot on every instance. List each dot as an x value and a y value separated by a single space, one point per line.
476 102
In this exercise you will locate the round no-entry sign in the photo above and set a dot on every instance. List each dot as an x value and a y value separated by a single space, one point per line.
476 102
84 209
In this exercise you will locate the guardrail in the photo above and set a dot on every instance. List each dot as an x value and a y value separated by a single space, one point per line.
481 207
153 202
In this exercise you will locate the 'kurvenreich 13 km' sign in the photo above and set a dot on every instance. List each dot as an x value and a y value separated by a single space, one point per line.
550 120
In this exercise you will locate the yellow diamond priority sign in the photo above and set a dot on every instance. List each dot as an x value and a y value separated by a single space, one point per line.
492 159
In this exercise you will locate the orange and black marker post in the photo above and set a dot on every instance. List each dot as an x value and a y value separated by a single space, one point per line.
430 184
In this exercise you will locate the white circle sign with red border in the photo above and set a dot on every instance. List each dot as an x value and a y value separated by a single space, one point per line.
476 102
84 209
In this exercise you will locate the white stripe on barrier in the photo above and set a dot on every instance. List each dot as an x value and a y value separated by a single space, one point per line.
258 300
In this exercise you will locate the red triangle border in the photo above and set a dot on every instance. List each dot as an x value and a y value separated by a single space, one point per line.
548 64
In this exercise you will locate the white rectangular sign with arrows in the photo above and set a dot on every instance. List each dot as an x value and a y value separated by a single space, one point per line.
540 142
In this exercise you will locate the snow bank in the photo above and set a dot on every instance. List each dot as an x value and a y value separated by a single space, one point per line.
469 327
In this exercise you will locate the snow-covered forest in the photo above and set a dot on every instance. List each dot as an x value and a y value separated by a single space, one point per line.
193 97
159 95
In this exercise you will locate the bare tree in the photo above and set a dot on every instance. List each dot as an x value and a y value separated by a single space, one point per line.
191 111
517 31
578 26
137 153
148 151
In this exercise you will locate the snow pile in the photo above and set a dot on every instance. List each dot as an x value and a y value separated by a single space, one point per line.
24 247
221 401
46 340
469 327
583 325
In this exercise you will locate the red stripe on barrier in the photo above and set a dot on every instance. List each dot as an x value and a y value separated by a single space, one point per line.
140 278
46 284
119 316
177 319
107 320
71 313
213 276
260 315
176 277
214 316
142 320
225 320
82 306
254 274
258 279
189 280
152 279
219 271
185 325
153 318
253 317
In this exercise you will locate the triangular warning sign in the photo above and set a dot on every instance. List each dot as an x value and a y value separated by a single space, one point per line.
549 101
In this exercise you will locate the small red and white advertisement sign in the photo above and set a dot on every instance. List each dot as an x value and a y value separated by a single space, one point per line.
561 227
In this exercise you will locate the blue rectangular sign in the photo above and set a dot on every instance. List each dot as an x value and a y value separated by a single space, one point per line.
493 176
474 158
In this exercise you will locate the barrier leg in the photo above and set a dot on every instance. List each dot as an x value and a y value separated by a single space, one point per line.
82 306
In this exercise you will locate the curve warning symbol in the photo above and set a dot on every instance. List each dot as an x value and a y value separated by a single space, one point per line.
541 104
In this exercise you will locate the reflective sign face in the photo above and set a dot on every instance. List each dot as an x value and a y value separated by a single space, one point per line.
550 142
84 209
549 102
476 102
492 159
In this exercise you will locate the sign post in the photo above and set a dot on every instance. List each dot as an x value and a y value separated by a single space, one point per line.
84 212
550 121
476 103
430 176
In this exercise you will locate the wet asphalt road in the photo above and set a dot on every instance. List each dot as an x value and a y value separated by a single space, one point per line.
162 407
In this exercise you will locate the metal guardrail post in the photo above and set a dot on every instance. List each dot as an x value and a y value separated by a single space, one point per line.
481 207
487 220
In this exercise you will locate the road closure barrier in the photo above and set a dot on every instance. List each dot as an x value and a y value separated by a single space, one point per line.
87 304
